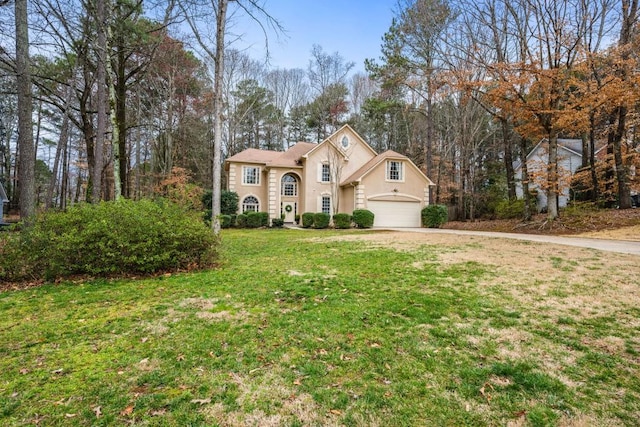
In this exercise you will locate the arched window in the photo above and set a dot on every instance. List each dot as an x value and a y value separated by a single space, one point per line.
250 204
289 186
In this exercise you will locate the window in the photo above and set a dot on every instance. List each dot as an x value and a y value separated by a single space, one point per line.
394 171
345 142
289 186
250 175
250 204
326 204
325 176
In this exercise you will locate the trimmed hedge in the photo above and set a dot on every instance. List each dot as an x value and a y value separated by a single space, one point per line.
264 219
225 221
321 220
342 220
307 219
363 218
433 216
277 222
254 220
110 238
241 221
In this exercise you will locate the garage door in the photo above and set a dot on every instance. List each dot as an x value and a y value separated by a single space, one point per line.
395 214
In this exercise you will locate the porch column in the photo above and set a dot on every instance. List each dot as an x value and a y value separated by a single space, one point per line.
232 178
273 192
360 202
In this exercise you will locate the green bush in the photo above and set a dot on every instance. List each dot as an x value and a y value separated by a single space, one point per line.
110 238
225 221
321 220
507 209
363 218
264 219
433 216
241 221
277 222
254 219
307 219
228 203
342 220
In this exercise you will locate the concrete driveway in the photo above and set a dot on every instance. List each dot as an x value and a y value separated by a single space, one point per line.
620 246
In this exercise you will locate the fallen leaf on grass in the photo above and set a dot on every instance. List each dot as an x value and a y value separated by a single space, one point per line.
201 401
70 415
180 358
98 411
158 412
486 394
127 411
24 371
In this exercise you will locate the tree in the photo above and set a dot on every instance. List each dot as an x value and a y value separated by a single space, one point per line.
26 147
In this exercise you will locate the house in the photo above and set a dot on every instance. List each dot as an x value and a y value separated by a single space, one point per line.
3 199
569 160
338 175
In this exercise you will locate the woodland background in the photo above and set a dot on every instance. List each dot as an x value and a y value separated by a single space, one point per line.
122 96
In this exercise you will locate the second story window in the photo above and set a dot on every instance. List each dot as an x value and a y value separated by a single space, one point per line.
326 173
250 175
394 171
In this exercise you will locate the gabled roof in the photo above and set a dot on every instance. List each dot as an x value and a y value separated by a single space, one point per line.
358 175
272 158
572 146
330 140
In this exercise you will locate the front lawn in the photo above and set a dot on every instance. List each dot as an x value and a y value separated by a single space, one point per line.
306 328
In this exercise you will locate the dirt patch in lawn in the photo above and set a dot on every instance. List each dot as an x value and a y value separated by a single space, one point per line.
562 280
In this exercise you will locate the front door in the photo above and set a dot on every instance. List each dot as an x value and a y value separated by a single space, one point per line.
289 209
289 194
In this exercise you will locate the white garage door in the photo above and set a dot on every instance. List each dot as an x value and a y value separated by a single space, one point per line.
395 214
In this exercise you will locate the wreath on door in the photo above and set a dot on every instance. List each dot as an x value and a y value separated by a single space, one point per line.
288 208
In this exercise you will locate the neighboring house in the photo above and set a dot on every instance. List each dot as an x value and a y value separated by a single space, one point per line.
3 199
569 160
340 174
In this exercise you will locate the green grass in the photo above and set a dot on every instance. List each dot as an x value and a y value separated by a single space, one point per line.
293 330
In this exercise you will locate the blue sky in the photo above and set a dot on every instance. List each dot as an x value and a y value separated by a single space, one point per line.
354 28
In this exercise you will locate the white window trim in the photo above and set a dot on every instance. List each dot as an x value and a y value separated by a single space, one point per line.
320 200
242 203
320 172
387 171
259 172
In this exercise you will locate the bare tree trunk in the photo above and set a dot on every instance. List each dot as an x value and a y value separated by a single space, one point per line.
221 20
552 177
101 100
64 137
27 154
528 211
508 158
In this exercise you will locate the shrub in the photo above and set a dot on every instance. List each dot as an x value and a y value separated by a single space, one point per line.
254 220
307 219
264 219
225 221
321 220
277 222
342 220
433 216
110 238
508 209
297 219
363 218
241 221
228 203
